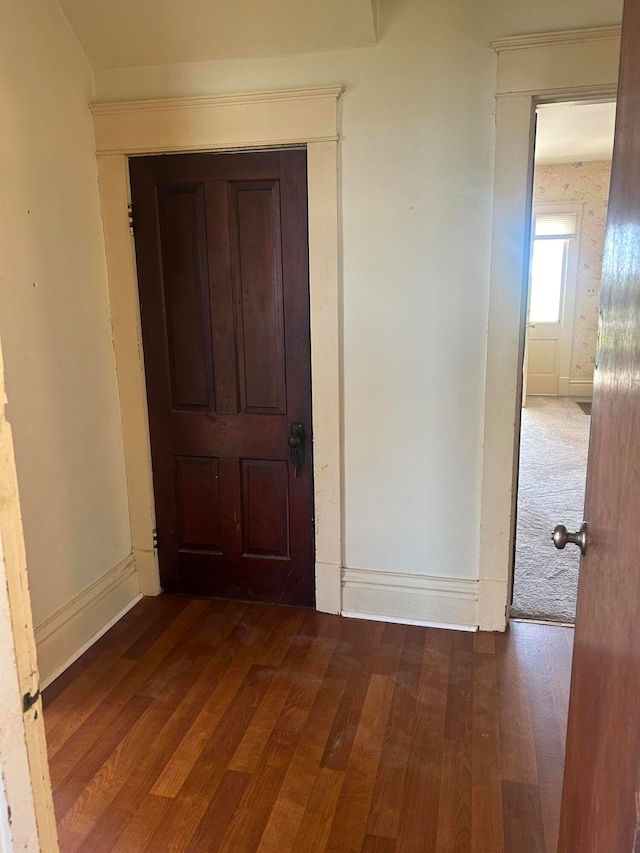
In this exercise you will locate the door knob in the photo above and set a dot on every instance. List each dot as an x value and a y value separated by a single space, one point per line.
296 443
561 537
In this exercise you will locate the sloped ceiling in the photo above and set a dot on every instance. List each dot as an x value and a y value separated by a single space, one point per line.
566 133
125 33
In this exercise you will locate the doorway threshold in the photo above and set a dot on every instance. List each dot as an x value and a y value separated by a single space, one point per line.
543 622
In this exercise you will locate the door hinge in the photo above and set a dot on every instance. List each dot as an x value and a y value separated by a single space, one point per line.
156 541
29 700
130 216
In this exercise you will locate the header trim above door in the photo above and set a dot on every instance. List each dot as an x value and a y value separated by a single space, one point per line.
255 119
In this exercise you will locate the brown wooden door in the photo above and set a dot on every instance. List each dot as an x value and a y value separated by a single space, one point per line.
601 797
222 253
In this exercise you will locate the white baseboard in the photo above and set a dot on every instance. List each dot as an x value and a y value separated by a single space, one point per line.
328 588
578 388
63 637
410 599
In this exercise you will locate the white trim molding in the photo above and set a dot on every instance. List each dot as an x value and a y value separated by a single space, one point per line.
531 70
580 388
255 120
560 65
63 637
260 119
411 599
562 37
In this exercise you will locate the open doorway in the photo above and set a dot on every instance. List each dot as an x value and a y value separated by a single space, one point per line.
572 170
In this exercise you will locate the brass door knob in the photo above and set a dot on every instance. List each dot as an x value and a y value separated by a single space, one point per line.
561 537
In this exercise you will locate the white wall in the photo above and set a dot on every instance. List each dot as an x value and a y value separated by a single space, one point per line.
54 312
414 304
417 152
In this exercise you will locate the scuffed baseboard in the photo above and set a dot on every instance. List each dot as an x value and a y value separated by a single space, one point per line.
410 599
63 637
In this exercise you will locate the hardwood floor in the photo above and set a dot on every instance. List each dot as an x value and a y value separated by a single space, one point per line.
209 725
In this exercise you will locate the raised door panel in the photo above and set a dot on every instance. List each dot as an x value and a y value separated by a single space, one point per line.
543 356
259 300
198 504
542 376
265 508
181 222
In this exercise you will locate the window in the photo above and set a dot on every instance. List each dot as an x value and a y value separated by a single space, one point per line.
551 236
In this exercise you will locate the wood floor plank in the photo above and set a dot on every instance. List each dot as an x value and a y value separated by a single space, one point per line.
377 844
98 797
357 655
101 670
201 784
517 747
70 784
290 658
419 817
210 725
215 627
249 752
484 642
144 823
289 622
548 728
352 812
103 648
455 802
191 750
523 828
226 723
188 751
386 806
558 663
156 630
213 827
486 770
280 748
250 818
286 817
308 678
319 814
86 704
152 751
96 717
388 656
457 724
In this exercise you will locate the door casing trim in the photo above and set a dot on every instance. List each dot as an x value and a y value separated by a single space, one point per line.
228 123
574 65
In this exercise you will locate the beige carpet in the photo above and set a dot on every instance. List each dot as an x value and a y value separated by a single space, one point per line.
553 466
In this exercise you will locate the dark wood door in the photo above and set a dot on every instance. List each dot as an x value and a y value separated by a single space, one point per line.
222 254
601 797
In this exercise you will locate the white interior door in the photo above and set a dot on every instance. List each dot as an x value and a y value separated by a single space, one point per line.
552 294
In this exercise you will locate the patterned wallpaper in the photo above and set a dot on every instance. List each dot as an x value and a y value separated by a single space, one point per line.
586 182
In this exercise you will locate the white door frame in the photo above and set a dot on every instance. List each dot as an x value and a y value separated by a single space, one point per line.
25 786
227 123
561 66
